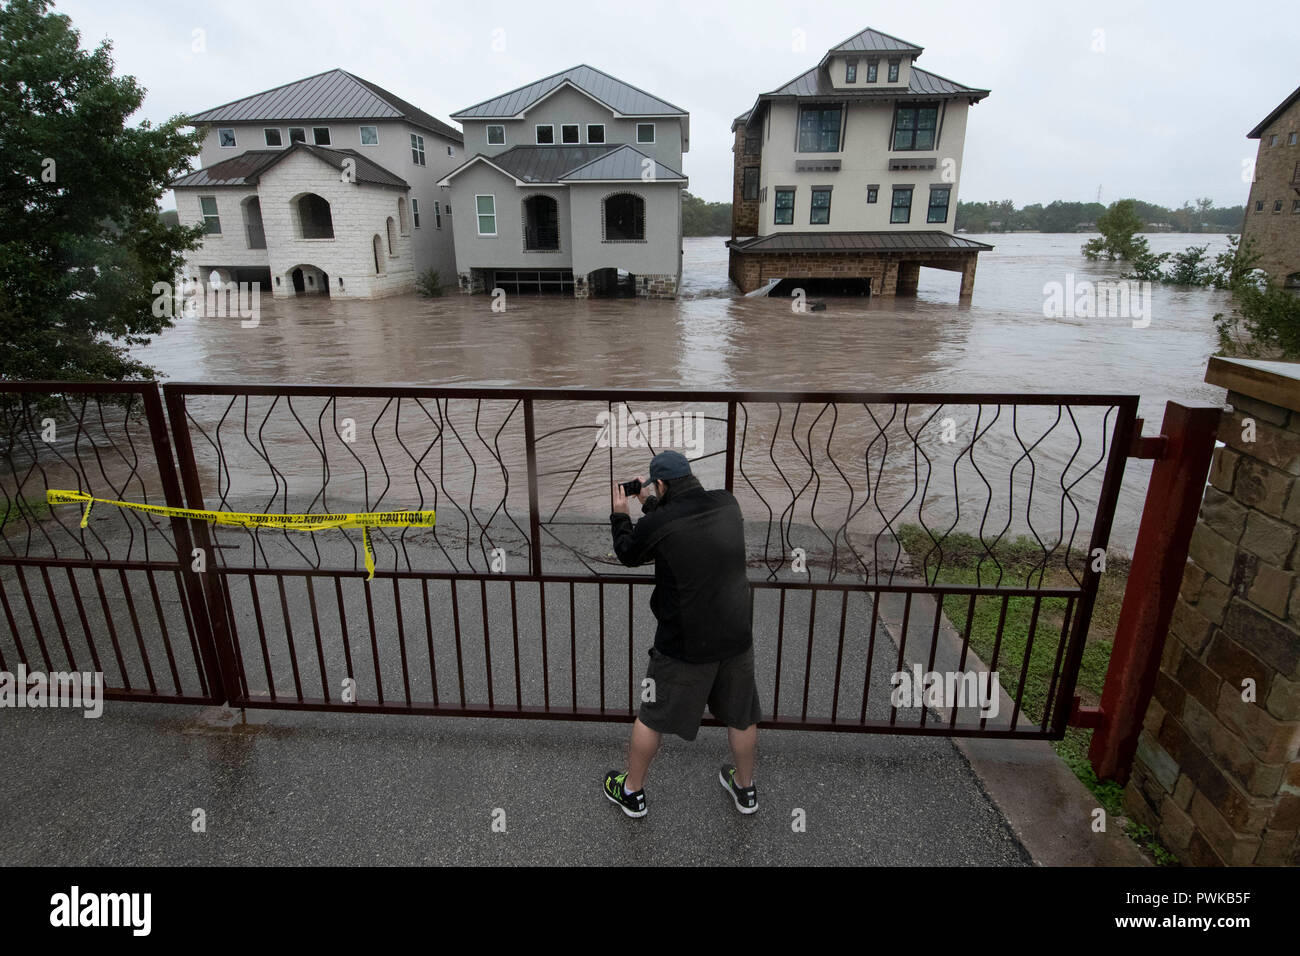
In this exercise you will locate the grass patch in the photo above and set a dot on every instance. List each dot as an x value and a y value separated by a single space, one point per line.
964 560
20 508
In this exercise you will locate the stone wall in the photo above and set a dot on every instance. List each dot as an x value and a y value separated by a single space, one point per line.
1277 171
1216 774
744 212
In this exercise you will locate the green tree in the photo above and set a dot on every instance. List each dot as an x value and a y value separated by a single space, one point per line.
81 239
1118 226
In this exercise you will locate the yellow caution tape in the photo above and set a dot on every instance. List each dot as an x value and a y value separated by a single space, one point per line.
365 520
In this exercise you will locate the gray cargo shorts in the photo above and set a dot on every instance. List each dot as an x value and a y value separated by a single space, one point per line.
682 690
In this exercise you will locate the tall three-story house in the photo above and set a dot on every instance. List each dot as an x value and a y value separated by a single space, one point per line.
1273 207
327 185
573 187
848 174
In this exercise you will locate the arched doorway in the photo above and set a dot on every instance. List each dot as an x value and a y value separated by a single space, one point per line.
299 284
541 224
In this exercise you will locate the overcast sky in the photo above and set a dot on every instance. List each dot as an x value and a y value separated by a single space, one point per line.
1145 99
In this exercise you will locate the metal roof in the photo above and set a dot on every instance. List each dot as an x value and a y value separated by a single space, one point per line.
622 98
247 168
873 41
930 241
1258 131
332 95
622 163
816 82
565 164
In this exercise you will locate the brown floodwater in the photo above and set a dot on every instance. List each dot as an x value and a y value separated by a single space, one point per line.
713 338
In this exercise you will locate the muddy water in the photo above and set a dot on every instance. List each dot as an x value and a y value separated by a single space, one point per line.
713 338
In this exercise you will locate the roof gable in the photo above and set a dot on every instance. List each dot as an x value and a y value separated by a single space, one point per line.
873 41
623 99
334 94
248 168
1285 105
624 163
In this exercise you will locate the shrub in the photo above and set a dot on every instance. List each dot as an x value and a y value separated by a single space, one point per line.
428 284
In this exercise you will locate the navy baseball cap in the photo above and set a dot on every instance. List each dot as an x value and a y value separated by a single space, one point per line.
668 465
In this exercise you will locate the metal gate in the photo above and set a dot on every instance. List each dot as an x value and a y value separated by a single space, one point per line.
876 522
118 597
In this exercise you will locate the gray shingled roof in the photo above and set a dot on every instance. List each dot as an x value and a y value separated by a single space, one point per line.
873 41
246 168
620 97
816 83
332 95
565 164
622 163
857 242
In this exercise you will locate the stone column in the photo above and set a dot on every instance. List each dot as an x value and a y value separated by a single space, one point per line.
1217 773
968 276
909 277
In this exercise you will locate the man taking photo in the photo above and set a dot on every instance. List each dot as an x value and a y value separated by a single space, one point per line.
703 653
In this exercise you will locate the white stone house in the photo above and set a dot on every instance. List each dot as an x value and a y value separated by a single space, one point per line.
572 186
325 186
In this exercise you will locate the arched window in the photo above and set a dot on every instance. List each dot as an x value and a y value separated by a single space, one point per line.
253 229
623 216
392 237
314 219
541 223
378 245
402 221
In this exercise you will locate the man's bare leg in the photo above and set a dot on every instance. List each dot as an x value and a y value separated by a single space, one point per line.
744 744
640 751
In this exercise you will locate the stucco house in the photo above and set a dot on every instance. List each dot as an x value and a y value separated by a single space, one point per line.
846 177
1273 207
327 185
572 186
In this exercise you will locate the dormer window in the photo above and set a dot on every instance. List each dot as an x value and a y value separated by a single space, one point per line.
873 69
851 71
893 71
545 135
496 135
569 133
226 138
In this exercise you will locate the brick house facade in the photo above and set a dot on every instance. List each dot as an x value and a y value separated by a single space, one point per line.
1273 210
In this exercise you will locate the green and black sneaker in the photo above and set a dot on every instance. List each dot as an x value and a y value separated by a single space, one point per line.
633 804
746 797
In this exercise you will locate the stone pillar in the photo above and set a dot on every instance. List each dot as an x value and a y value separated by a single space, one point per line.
968 276
909 277
888 280
1217 772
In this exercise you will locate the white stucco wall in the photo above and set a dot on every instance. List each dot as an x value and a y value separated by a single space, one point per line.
864 160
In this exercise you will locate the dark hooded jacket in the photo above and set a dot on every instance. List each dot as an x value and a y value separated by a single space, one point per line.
702 598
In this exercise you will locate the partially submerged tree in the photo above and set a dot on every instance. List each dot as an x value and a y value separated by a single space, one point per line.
1118 226
81 239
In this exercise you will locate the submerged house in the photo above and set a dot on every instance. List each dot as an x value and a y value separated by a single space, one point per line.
327 185
572 186
1272 220
846 177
